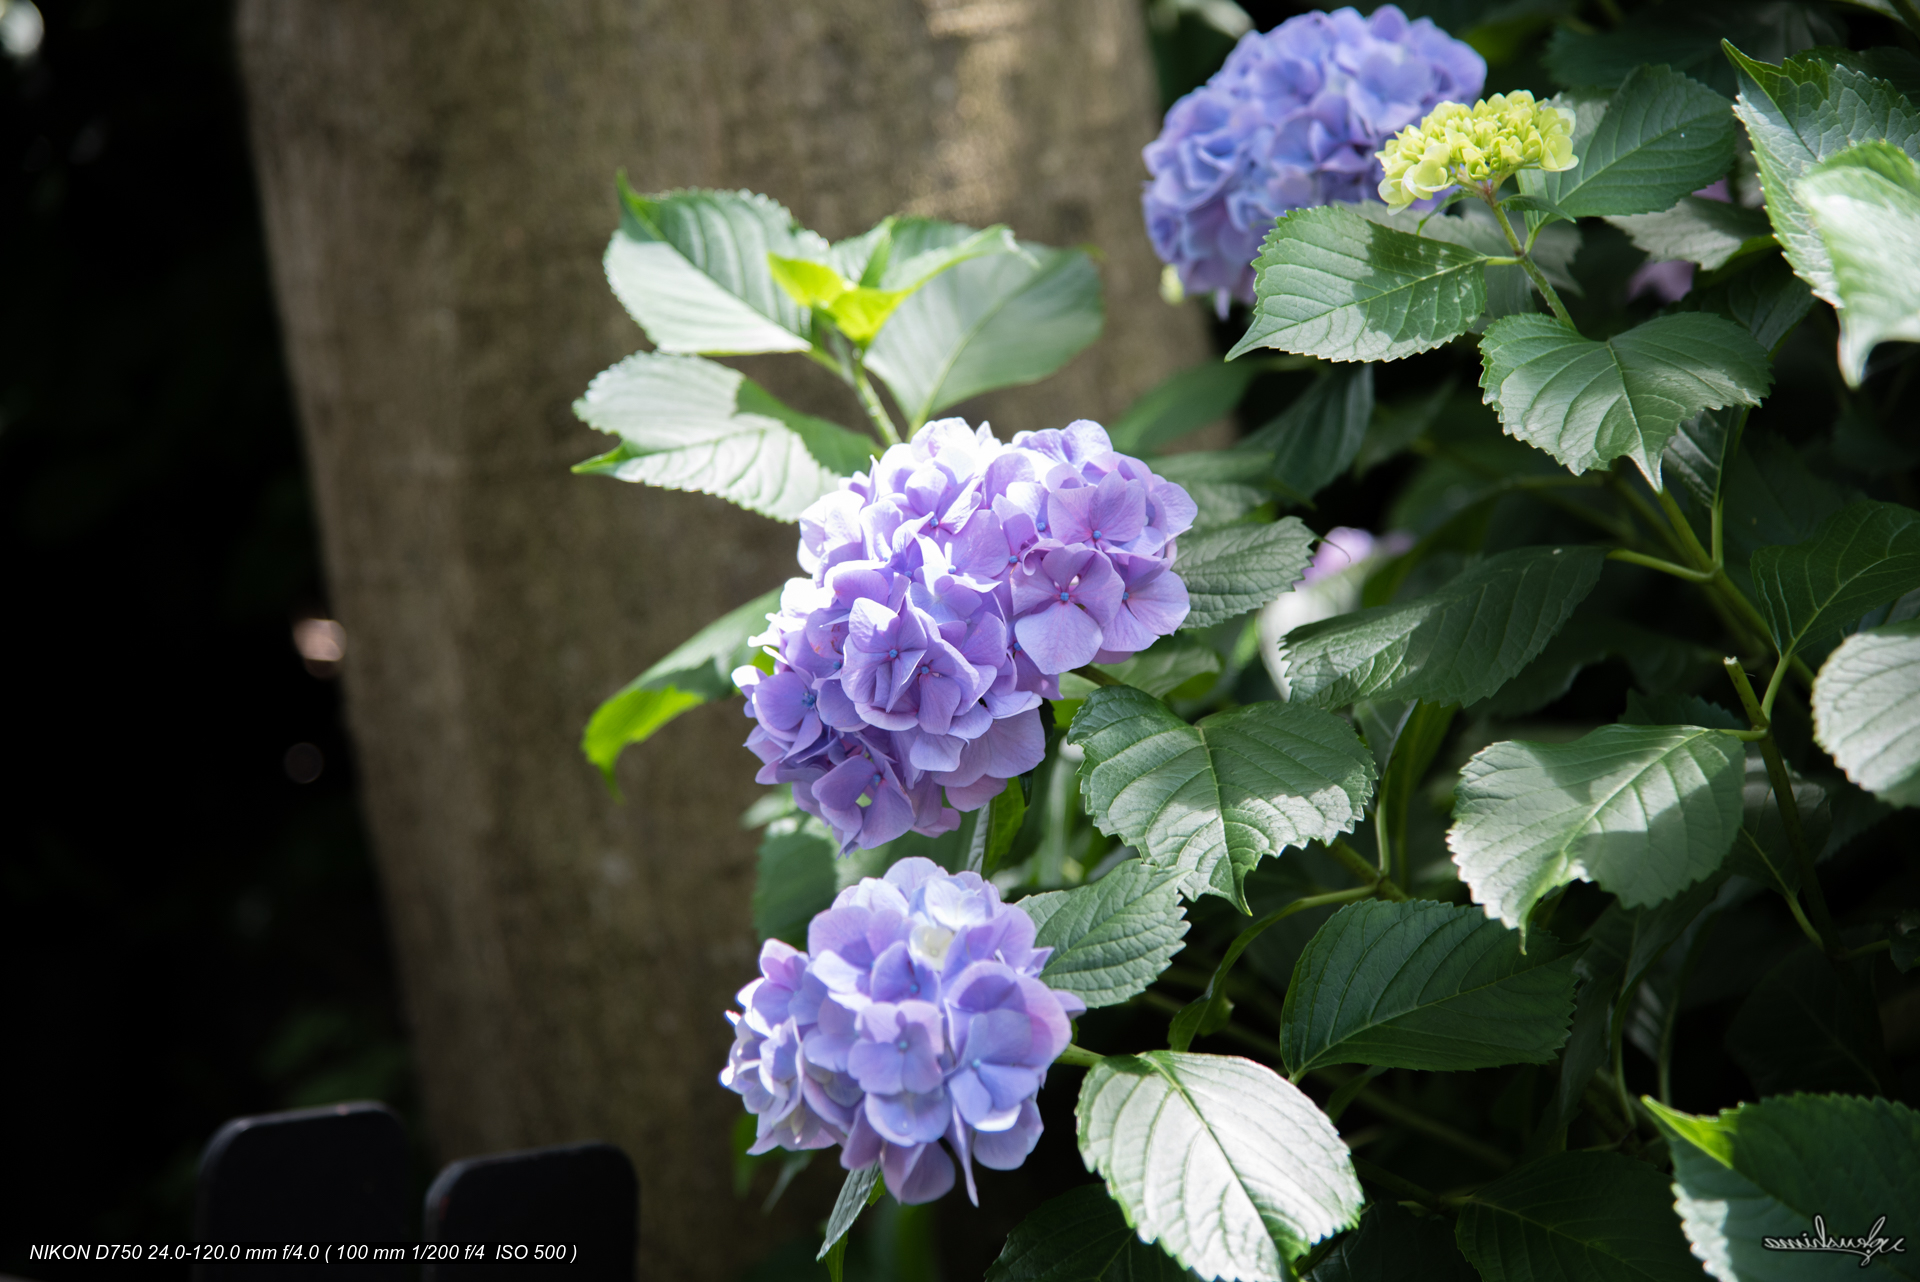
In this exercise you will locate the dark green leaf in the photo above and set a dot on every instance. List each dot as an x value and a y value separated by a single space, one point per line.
1004 820
1165 666
1773 496
1317 437
1423 985
856 1194
1762 294
989 323
1865 204
1698 453
1576 1217
698 669
1213 798
691 267
1081 1236
1687 38
795 880
1644 811
1455 645
1332 284
1800 113
1866 710
1224 484
1766 1170
1707 232
1111 938
1762 852
1233 569
1223 1162
1864 555
1588 403
1392 1244
1180 404
1397 426
1810 1025
690 424
1659 138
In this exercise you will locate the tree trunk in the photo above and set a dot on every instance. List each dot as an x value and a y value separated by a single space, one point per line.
437 180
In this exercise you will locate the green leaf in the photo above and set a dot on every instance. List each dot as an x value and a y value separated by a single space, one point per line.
1317 437
1423 985
1331 283
1800 113
698 669
1111 938
1081 1236
882 280
1660 137
1004 819
1866 710
1223 1162
1864 555
1865 204
1233 569
1211 799
1391 1244
1576 1217
1225 485
1455 645
1766 1170
1905 11
1698 453
796 878
1588 403
1761 852
690 424
861 1189
989 323
1810 1025
1162 668
1707 232
1773 496
1644 811
1182 403
1396 426
1688 38
1762 294
691 268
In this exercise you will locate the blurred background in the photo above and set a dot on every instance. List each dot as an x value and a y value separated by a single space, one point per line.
191 925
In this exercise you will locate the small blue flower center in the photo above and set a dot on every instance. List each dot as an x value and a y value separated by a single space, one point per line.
808 699
913 988
902 1043
976 1063
876 780
1013 560
1096 534
1063 596
893 654
1126 596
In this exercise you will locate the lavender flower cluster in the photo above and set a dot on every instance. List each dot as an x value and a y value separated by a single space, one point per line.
1293 119
950 587
914 1016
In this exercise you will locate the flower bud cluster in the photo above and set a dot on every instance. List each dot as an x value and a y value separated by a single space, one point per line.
914 1016
1481 146
1293 119
950 587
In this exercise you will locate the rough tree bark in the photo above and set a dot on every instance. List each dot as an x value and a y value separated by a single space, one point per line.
437 182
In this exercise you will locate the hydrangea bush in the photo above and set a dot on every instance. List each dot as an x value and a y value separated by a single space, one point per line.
1463 826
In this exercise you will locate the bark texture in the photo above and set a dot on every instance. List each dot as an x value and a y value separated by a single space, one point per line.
437 182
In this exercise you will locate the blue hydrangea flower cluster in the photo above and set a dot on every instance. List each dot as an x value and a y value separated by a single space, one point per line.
914 1016
950 587
1293 119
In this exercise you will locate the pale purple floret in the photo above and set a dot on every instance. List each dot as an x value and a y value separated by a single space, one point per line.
916 1019
1293 119
949 588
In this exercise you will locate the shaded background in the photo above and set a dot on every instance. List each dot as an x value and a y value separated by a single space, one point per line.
190 925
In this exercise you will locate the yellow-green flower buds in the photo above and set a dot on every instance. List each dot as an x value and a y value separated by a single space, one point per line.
1482 145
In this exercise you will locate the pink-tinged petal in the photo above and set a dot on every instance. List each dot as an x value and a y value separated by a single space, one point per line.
888 817
1070 514
935 751
1016 744
1059 638
1099 589
1119 510
1174 510
972 796
1160 602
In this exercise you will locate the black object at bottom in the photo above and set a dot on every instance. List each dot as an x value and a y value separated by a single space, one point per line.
577 1205
316 1175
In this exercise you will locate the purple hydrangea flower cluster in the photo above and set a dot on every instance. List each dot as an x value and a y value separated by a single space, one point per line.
950 587
914 1016
1293 119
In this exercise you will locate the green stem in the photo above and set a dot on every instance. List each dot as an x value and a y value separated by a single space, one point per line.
1773 689
1665 567
1644 510
1684 528
1532 268
1877 946
1099 678
1363 868
1389 1110
1079 1057
1821 919
1403 1189
1663 1062
870 401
